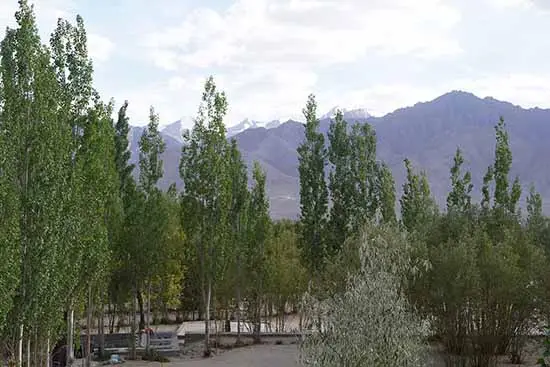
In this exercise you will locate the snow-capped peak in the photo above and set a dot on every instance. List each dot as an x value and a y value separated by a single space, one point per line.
355 113
332 112
251 124
175 129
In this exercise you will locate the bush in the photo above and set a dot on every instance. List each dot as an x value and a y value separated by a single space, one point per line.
153 356
370 323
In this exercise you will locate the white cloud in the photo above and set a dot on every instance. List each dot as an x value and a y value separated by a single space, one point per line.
527 90
308 31
542 5
505 4
382 98
46 12
100 48
268 54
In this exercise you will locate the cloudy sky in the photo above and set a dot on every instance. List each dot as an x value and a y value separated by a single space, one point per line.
268 55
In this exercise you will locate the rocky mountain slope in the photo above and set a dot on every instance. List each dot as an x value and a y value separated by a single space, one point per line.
426 133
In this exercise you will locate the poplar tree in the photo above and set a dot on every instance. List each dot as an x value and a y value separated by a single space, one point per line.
459 200
341 184
122 150
41 143
99 205
386 194
313 190
149 252
417 205
151 147
73 70
259 222
239 222
10 266
206 194
364 175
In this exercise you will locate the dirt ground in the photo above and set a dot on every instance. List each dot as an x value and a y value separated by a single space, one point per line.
270 355
252 356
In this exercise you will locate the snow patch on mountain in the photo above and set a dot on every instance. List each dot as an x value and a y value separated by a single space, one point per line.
251 124
353 113
176 129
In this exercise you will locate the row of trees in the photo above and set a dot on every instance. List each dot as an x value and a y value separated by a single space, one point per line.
81 234
476 273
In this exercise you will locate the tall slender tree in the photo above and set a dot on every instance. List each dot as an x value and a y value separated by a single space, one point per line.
313 190
73 69
386 194
206 195
98 204
239 222
151 147
364 173
122 151
417 205
256 255
341 184
40 165
459 199
10 234
151 170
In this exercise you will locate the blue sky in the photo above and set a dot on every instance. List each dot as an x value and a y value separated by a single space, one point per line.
268 55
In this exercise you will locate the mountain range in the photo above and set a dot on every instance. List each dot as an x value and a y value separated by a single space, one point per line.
427 133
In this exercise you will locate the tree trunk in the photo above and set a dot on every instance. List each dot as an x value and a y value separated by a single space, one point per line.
36 350
101 328
148 316
20 347
256 320
258 317
141 311
88 327
28 351
238 298
207 350
133 341
70 336
113 319
48 359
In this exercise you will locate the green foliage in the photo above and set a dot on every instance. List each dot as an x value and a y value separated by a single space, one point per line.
206 198
287 276
122 151
417 205
151 146
459 199
313 190
40 163
341 184
386 194
9 203
482 264
75 220
370 322
361 188
364 175
99 195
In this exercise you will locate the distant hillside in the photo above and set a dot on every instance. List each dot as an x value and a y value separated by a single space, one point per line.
426 133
